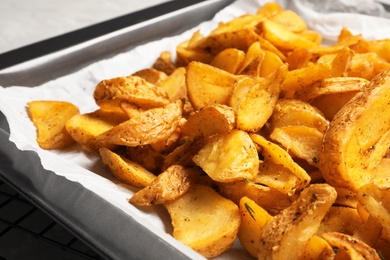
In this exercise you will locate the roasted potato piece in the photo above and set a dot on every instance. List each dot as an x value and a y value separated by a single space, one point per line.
358 137
302 219
336 91
342 63
175 84
294 112
225 37
290 20
283 38
298 58
49 118
183 154
355 248
271 63
168 186
204 220
132 89
302 78
297 180
207 85
272 200
216 119
317 248
253 59
126 170
253 218
229 60
253 99
151 75
146 156
148 127
301 141
377 203
186 55
229 157
84 128
340 219
165 63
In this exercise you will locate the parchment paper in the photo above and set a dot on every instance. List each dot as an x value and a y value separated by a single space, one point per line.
78 87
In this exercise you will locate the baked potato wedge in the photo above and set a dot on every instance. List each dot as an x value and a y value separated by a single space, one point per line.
300 220
147 127
204 220
125 170
168 186
133 89
358 137
229 157
49 118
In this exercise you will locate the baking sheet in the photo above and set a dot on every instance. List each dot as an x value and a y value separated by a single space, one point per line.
85 170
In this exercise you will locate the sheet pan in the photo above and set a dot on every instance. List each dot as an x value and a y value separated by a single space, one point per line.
107 229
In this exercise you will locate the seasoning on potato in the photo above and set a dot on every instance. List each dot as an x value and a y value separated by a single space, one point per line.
255 132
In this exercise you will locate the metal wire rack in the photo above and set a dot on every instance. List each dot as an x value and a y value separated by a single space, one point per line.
26 232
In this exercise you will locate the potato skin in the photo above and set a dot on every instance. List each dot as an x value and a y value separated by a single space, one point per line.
358 137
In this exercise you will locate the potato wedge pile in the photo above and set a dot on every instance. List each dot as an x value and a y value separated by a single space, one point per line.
255 132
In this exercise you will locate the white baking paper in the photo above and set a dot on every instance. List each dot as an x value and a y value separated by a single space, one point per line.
78 87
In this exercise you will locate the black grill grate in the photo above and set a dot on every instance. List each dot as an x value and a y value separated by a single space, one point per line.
26 232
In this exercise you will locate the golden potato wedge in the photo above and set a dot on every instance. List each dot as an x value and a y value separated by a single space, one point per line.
278 177
290 20
279 235
84 128
165 63
130 109
269 9
253 59
376 201
272 200
370 232
146 156
126 170
301 141
340 219
294 112
185 55
354 248
148 127
342 62
302 78
283 38
298 58
229 60
253 218
317 248
175 84
183 154
204 220
133 89
229 36
253 99
271 63
336 91
299 178
212 120
207 85
358 137
49 118
151 75
229 157
168 186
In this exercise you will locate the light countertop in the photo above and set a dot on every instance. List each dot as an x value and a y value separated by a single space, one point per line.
24 22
